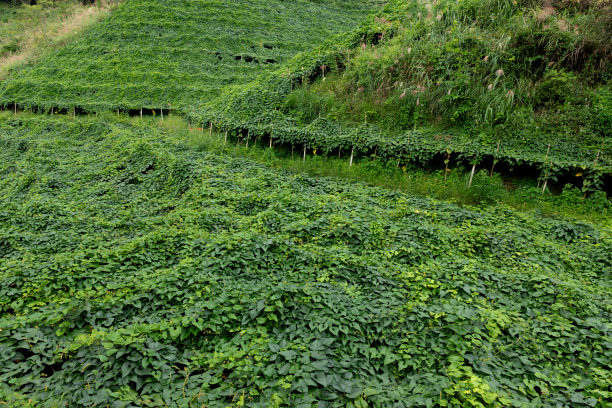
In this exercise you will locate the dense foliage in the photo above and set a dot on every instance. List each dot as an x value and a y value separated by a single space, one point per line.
189 50
521 82
137 271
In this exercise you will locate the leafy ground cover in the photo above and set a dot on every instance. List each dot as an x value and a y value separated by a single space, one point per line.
189 50
525 83
136 270
29 31
486 189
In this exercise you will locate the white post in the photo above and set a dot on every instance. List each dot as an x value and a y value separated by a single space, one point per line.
352 152
472 175
493 166
304 154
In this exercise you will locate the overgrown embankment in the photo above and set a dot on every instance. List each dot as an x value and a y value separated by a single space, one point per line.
136 270
27 32
524 83
155 54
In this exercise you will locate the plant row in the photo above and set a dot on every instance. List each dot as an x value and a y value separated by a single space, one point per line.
138 271
154 54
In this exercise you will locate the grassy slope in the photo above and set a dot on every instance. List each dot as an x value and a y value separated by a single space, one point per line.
188 51
474 80
485 190
27 32
137 268
140 270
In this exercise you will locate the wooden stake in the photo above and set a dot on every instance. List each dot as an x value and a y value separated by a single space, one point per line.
352 152
472 175
545 175
597 157
493 166
446 161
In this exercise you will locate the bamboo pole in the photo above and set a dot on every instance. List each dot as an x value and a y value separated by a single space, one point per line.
493 166
545 174
446 166
597 157
472 175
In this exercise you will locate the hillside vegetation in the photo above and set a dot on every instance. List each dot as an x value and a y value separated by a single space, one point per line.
29 31
145 263
524 83
138 270
156 55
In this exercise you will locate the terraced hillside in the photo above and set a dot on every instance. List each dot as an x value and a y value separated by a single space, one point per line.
137 271
156 54
449 83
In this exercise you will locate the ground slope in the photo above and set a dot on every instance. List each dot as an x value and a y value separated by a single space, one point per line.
523 83
155 54
137 271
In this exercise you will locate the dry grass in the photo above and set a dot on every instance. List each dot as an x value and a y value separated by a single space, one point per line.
37 30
